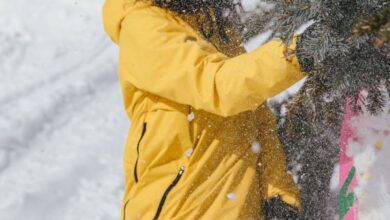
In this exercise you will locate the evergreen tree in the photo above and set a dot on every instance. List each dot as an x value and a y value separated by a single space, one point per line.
344 51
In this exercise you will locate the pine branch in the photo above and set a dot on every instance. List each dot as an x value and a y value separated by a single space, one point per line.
376 101
340 60
377 24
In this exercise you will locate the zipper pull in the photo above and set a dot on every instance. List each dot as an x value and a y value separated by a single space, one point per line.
181 171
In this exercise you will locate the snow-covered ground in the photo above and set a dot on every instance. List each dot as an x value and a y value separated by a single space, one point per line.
62 125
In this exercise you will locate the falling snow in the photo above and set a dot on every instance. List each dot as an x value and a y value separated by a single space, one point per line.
191 117
231 196
189 152
255 147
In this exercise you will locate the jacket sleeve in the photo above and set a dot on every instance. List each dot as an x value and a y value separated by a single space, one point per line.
277 182
159 54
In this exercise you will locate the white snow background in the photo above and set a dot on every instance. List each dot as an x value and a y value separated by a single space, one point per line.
63 127
62 123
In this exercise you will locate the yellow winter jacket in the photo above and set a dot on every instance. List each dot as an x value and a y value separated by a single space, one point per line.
202 144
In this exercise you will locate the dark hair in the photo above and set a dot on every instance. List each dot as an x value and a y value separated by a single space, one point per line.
218 14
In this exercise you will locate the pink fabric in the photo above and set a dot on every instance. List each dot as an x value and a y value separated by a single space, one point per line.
346 163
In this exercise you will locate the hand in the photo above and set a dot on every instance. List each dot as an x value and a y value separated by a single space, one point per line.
306 63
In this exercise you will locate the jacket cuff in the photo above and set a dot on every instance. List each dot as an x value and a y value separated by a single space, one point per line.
291 199
289 53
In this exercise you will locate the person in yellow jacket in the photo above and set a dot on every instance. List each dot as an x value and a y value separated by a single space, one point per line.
202 143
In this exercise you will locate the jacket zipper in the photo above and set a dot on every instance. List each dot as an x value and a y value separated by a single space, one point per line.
124 209
136 162
165 195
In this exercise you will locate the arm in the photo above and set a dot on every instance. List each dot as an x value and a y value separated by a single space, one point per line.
162 56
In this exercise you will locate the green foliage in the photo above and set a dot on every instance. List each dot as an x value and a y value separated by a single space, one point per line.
331 47
341 55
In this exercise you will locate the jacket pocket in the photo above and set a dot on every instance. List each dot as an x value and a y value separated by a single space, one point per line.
166 193
138 152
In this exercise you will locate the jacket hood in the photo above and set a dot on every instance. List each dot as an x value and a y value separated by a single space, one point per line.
114 11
